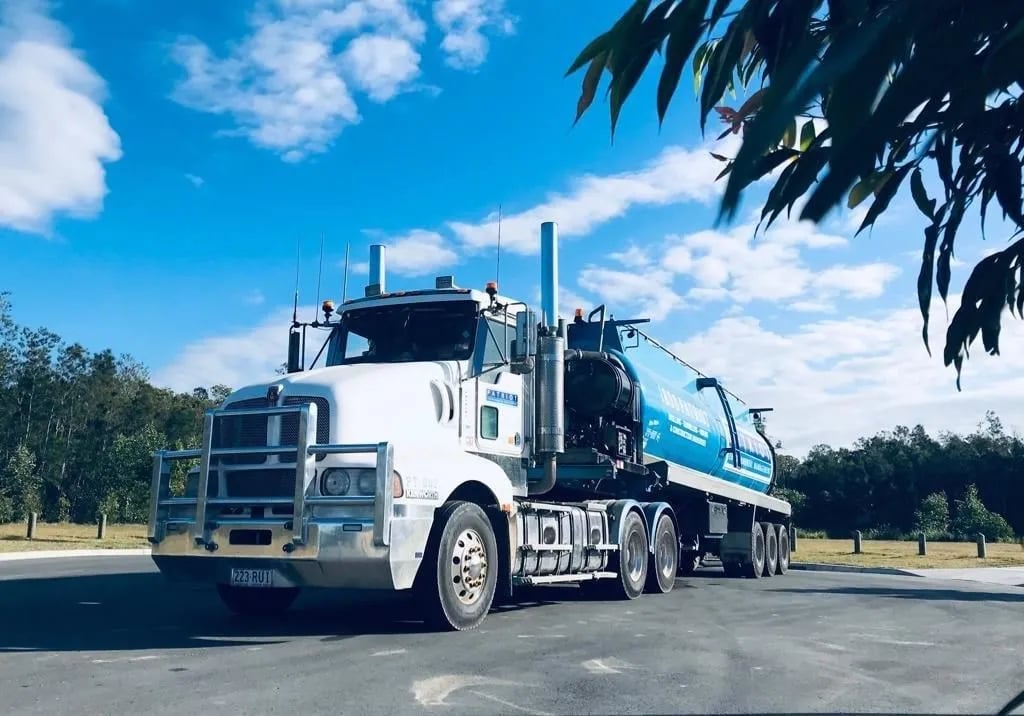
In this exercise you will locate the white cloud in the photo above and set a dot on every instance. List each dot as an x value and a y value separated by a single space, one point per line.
381 65
197 181
834 381
734 265
234 359
290 85
651 291
633 257
254 298
418 253
55 137
464 22
675 175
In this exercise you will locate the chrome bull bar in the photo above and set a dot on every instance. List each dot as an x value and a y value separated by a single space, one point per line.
305 469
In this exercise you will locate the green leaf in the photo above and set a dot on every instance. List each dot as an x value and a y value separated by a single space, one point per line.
685 26
943 270
700 58
789 136
1008 187
861 191
807 135
624 83
924 279
721 63
884 192
599 45
917 190
590 82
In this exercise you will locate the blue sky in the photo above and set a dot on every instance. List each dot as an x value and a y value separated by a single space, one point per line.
162 159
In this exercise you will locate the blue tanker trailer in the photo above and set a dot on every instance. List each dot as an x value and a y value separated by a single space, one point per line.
640 423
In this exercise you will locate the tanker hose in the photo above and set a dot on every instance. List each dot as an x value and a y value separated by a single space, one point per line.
548 482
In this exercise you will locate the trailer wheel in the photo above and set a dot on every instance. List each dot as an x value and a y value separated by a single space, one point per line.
771 549
755 567
661 572
458 578
254 602
782 566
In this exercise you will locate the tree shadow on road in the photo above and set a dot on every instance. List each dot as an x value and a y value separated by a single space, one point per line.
924 593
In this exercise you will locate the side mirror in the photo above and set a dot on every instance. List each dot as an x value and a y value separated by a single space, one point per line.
525 344
703 383
294 352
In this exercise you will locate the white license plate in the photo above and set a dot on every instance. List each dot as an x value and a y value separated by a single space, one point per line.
241 577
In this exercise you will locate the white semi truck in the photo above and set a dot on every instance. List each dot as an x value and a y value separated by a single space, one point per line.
455 445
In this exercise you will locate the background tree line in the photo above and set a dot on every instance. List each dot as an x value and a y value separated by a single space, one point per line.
895 484
77 430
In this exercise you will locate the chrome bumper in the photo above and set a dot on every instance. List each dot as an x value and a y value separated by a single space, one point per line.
303 549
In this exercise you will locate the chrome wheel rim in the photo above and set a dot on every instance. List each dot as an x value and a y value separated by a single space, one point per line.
469 567
634 556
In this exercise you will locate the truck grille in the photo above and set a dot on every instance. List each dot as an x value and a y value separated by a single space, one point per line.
290 423
241 431
251 430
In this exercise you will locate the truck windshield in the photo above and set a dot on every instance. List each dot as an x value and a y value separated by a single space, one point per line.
406 332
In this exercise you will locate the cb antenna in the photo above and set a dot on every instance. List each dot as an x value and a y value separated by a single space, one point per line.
344 285
497 268
295 305
320 275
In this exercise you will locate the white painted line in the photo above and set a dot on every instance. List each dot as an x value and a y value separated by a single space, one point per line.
389 652
146 657
503 702
68 553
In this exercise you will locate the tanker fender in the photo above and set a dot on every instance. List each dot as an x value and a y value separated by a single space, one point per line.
652 511
616 510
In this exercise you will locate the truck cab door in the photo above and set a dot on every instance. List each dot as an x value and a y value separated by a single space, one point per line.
499 393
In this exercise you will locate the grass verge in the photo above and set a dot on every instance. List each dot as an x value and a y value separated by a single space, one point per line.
876 553
903 555
68 536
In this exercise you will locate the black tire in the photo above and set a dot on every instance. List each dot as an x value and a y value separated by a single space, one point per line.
457 592
255 602
771 549
630 561
755 567
662 569
782 566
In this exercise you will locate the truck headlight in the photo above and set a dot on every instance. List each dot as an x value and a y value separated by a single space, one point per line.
335 482
366 483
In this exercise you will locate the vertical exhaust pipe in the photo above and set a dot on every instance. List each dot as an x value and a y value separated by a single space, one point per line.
378 269
550 374
549 273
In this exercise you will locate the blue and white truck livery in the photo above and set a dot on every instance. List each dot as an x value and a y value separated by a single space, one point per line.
459 445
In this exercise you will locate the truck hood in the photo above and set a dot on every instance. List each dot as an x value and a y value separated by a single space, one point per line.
403 403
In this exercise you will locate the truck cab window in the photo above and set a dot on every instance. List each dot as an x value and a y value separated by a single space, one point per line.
404 333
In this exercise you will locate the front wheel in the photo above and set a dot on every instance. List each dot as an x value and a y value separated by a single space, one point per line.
459 578
255 602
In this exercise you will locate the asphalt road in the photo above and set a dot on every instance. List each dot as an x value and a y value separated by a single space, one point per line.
109 635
